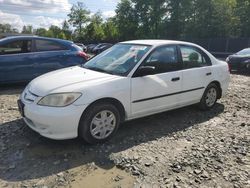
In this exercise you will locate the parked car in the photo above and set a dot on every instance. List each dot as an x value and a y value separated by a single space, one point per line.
131 80
240 61
23 58
101 47
90 48
82 46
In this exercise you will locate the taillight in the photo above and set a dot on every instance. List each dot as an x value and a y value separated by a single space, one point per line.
83 54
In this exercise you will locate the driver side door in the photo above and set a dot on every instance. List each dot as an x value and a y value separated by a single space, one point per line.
158 91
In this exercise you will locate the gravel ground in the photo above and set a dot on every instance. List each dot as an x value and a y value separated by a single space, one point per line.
180 148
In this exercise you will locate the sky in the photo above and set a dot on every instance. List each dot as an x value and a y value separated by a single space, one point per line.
44 13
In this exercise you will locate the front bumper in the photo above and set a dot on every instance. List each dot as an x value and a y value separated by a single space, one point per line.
57 123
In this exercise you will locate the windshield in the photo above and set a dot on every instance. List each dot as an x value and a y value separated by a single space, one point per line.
244 52
119 59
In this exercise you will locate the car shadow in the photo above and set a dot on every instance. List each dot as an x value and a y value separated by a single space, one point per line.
12 89
243 73
25 155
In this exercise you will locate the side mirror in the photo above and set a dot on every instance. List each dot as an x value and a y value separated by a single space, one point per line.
145 70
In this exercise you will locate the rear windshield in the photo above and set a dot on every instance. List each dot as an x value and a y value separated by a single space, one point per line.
244 52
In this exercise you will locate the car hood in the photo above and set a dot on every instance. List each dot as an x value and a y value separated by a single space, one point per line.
56 80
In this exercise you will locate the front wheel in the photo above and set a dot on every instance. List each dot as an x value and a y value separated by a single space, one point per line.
99 123
209 97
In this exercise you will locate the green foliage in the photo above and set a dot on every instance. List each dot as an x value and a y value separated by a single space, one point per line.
66 30
7 28
126 20
242 12
94 31
79 16
110 30
27 29
168 19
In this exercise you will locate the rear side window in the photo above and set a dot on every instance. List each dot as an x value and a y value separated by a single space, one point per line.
16 47
46 45
193 57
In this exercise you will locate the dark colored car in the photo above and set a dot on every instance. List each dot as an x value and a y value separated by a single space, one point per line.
82 46
240 61
90 47
23 58
101 47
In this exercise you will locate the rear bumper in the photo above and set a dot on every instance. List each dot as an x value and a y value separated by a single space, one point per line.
239 66
224 85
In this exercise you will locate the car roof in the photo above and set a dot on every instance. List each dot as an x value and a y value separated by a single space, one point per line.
155 42
34 37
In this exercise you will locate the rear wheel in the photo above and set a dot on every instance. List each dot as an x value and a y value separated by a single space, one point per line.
99 123
209 97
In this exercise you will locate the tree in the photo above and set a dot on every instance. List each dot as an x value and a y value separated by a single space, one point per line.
126 20
41 32
94 30
27 29
7 28
110 30
66 30
242 12
149 15
79 16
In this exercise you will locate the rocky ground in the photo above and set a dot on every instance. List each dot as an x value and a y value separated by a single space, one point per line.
180 148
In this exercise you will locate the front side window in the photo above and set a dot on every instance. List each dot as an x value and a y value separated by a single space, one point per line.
119 59
16 47
192 57
46 45
163 59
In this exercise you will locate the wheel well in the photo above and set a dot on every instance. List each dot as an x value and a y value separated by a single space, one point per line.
219 86
113 101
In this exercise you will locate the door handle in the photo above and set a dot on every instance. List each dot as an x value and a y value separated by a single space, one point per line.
175 79
209 73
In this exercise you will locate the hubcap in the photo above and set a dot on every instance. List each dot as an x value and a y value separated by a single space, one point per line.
211 97
103 124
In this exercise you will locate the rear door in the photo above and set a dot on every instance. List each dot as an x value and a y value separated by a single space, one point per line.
197 73
48 56
15 62
158 91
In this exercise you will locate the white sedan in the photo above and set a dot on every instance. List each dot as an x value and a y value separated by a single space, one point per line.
130 80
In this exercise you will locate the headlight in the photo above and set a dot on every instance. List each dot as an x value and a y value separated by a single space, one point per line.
59 99
227 59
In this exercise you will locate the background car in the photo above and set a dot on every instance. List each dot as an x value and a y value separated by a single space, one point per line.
82 46
101 47
23 58
90 47
240 61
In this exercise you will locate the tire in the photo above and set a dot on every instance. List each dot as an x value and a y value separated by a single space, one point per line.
99 118
209 97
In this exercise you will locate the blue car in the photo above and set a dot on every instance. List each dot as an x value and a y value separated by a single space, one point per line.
23 58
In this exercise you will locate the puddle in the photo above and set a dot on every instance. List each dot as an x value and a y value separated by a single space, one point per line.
103 178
